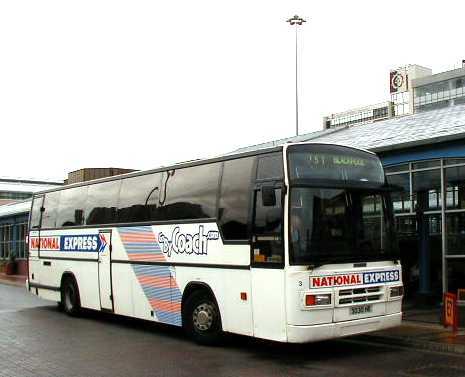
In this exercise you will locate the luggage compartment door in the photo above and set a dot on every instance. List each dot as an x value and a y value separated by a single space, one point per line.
104 270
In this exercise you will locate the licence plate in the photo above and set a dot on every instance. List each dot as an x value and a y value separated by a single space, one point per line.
362 309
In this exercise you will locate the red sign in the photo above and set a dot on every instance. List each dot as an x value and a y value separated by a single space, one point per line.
45 243
450 311
336 280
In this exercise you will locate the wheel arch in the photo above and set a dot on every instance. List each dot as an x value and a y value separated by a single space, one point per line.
195 286
68 275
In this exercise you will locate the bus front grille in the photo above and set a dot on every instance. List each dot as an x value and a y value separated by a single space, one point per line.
360 295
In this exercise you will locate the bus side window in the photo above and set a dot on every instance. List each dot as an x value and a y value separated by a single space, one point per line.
102 200
35 213
49 216
270 166
71 208
189 193
138 199
235 192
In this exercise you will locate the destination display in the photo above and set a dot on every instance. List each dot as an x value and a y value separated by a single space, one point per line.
335 163
331 160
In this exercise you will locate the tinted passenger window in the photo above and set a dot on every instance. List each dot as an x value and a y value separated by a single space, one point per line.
189 193
235 197
102 200
35 214
71 208
270 166
49 216
138 200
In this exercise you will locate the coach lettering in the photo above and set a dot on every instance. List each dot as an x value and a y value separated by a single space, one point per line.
186 243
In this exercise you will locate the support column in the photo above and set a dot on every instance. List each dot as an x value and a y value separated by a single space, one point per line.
2 247
15 240
445 278
424 257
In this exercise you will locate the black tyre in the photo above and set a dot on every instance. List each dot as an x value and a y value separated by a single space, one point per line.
201 318
70 300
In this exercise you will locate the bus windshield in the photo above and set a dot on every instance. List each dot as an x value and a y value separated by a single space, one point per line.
340 210
339 225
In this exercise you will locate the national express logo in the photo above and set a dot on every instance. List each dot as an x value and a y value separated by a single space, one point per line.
79 243
354 279
187 243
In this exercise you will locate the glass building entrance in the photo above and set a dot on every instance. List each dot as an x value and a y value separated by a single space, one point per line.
429 208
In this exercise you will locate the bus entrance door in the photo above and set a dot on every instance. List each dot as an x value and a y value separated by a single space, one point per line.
104 270
267 265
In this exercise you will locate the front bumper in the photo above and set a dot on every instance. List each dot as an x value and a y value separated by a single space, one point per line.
304 334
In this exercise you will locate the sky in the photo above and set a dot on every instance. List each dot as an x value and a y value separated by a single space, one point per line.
141 84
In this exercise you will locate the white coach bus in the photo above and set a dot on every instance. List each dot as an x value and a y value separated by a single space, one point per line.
293 243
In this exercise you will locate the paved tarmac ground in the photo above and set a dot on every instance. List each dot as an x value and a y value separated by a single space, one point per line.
36 339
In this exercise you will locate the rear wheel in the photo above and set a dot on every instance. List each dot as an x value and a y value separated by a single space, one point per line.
201 318
70 300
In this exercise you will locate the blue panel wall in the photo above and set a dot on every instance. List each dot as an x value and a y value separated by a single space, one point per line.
443 150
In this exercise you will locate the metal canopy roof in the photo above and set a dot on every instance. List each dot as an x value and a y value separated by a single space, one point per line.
412 130
24 186
15 208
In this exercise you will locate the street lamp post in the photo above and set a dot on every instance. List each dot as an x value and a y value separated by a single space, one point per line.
296 21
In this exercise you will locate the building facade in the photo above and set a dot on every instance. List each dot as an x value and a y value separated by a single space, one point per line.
14 219
13 190
402 84
362 115
87 174
439 90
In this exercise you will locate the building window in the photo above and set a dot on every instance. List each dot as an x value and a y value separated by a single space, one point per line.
427 190
455 225
15 195
455 186
426 164
396 168
439 94
401 194
425 219
13 240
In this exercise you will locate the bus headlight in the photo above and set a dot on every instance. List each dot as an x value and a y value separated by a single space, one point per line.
396 291
313 300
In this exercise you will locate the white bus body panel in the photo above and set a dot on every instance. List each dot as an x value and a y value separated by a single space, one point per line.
104 272
269 303
152 265
313 333
349 287
144 283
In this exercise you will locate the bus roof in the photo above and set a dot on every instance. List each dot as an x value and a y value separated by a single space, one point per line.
191 163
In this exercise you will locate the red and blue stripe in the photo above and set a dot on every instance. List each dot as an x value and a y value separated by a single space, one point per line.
157 281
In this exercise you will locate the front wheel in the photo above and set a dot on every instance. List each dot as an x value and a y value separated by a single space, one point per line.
70 300
201 318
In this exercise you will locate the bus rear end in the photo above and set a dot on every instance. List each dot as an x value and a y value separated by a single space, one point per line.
344 276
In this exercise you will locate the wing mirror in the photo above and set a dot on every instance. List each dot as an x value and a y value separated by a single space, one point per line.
268 196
